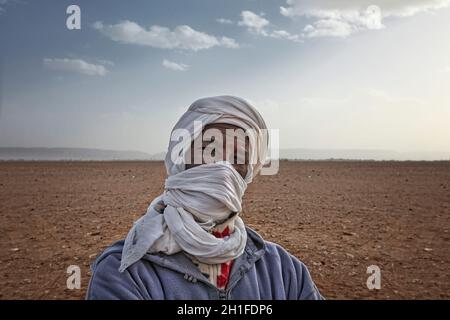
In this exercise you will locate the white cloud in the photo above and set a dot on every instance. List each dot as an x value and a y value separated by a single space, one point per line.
329 28
254 23
259 25
283 34
182 37
229 43
76 65
341 18
224 21
174 65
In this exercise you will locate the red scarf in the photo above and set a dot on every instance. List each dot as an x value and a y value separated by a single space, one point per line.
218 274
225 268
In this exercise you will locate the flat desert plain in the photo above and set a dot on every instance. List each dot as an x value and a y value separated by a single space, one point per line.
338 217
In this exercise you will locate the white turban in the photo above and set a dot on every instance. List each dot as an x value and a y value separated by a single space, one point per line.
195 200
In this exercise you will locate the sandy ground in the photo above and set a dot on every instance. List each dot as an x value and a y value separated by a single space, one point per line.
337 217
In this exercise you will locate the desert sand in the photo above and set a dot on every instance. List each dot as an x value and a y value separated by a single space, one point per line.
338 217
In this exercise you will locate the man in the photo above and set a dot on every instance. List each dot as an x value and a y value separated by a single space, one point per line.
192 243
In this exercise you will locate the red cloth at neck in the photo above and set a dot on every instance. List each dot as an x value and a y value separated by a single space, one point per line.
223 234
225 268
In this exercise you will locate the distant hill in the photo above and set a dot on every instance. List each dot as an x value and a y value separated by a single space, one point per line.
360 154
86 154
158 156
83 154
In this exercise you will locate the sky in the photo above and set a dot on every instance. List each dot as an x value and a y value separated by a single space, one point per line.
341 74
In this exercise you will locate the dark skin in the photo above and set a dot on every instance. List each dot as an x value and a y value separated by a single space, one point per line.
241 168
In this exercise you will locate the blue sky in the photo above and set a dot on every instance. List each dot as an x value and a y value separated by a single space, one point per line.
328 74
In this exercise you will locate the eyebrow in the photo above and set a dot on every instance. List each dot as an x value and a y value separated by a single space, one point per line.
205 143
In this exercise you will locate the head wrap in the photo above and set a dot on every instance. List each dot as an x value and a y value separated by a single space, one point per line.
197 199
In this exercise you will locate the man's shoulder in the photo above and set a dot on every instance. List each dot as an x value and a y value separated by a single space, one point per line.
281 254
107 282
111 254
272 250
110 258
293 270
275 248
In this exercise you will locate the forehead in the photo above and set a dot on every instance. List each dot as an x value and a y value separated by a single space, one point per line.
224 127
221 126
